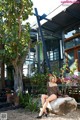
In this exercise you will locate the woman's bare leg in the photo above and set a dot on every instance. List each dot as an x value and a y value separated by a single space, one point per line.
43 99
49 99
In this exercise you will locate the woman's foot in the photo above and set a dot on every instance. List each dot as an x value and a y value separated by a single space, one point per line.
45 114
39 117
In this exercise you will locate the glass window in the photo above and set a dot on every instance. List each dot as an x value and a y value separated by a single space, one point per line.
27 67
69 34
71 59
25 71
72 43
51 55
56 54
69 44
77 41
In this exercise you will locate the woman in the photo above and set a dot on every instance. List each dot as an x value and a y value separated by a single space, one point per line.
53 93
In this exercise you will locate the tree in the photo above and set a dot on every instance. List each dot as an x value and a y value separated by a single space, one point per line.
15 36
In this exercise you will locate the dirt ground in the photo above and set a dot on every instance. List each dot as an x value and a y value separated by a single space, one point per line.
21 114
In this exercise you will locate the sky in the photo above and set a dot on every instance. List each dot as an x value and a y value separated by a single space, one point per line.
43 6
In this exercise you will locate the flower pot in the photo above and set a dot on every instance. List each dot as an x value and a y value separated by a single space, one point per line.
16 102
8 97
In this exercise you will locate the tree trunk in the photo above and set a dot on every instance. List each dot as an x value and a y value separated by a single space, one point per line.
18 83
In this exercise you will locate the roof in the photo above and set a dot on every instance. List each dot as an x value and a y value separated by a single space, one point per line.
66 21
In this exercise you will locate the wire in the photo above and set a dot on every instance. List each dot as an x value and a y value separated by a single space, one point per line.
54 9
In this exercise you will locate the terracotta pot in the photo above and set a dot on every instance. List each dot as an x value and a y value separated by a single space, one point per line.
8 97
16 102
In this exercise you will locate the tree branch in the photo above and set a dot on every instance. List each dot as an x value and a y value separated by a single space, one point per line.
19 35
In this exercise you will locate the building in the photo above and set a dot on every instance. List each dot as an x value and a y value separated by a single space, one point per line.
62 39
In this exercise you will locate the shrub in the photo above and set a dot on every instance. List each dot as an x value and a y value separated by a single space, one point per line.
28 102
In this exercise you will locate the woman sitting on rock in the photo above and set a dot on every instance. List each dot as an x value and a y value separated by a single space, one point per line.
52 94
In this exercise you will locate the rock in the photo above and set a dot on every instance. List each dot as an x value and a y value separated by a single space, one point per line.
62 106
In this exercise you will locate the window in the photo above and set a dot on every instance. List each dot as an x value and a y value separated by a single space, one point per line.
70 57
77 41
72 43
53 55
27 68
69 44
56 54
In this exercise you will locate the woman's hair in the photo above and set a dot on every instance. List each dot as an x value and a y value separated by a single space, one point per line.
53 76
50 78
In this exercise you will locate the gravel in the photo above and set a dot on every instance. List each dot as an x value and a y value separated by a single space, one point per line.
22 114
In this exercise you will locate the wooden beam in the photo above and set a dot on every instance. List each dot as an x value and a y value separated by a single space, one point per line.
72 37
69 49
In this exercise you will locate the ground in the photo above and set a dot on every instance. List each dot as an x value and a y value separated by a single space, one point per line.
21 114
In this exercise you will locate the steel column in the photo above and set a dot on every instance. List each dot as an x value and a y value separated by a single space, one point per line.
43 41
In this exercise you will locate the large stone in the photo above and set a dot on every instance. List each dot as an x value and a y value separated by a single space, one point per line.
62 106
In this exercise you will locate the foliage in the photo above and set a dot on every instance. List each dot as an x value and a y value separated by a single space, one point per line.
56 71
14 36
29 102
74 68
55 68
68 77
65 68
39 81
73 80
